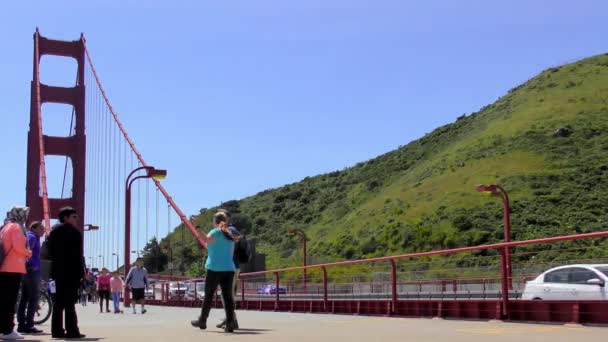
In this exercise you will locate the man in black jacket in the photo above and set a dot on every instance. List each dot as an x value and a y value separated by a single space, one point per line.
67 269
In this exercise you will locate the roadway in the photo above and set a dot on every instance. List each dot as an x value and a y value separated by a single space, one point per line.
172 324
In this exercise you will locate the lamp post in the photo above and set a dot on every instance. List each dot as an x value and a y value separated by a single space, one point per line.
116 261
507 280
500 191
301 233
91 262
151 172
90 227
103 260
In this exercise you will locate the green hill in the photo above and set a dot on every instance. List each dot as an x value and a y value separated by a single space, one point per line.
545 141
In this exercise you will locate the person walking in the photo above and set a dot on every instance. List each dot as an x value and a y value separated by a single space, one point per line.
220 271
137 280
67 269
12 268
30 285
103 288
237 271
116 285
82 292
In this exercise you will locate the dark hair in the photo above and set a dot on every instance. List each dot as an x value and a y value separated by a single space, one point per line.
35 225
65 212
221 218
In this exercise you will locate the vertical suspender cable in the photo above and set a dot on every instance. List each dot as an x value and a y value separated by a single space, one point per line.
157 211
147 209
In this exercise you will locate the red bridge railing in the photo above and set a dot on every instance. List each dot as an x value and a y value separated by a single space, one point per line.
461 296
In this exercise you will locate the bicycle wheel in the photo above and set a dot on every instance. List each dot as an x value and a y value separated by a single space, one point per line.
45 307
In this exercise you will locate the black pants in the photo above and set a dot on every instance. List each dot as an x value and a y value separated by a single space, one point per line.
103 294
9 288
66 298
224 279
30 293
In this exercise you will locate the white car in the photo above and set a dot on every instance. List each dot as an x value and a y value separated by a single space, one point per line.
572 282
177 290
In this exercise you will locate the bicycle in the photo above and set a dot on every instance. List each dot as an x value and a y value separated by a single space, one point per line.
45 305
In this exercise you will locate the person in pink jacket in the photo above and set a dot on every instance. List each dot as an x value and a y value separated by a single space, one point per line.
116 284
103 288
16 253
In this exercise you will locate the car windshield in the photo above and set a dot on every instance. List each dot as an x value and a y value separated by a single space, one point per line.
604 270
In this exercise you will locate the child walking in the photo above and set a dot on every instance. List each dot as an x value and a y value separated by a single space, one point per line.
117 285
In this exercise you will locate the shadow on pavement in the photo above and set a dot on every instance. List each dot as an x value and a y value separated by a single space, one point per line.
80 339
246 329
237 332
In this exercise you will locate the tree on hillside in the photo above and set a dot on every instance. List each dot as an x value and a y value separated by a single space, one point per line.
155 260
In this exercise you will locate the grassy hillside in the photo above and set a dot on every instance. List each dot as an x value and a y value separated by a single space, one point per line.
545 141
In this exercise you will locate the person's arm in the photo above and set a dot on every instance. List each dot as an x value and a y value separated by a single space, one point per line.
82 262
129 276
146 278
32 240
17 243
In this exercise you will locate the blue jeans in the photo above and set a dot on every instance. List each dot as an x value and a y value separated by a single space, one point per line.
116 301
30 294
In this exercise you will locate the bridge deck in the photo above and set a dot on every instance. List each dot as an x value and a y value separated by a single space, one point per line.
172 324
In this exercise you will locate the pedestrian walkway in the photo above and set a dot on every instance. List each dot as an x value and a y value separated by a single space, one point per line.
173 325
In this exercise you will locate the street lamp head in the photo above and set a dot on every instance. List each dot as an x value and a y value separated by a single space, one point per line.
91 227
156 173
487 189
114 254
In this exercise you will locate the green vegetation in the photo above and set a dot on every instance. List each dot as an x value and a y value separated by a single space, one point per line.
545 141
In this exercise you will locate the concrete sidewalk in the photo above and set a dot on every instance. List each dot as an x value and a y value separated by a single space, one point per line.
173 324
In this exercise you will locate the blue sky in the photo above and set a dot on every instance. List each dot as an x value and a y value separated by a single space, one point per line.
234 97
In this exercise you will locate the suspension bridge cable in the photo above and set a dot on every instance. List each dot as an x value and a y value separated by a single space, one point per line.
157 212
182 216
147 208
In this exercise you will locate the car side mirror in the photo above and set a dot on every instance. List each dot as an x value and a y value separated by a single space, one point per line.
596 281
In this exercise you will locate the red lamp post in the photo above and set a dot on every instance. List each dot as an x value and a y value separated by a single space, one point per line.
151 172
507 280
300 233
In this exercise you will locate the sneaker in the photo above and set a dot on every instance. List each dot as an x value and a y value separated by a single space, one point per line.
21 329
12 336
222 324
144 311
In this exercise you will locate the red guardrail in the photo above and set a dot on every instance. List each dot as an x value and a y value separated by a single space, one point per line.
315 296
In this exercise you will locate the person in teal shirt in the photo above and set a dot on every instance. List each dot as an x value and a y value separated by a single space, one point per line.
220 271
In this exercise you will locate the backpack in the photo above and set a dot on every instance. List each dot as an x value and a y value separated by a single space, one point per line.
242 251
